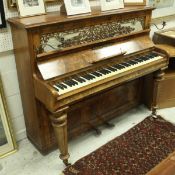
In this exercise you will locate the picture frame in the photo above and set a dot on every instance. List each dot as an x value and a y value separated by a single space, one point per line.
76 7
7 140
13 5
30 7
111 4
2 15
135 2
163 12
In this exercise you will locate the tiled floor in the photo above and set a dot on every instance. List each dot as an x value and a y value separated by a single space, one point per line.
28 161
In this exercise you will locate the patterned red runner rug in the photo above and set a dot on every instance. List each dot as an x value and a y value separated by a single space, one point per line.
135 152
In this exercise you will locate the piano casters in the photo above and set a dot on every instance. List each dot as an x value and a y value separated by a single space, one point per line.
59 123
158 76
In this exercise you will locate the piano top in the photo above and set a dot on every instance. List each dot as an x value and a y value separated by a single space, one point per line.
57 17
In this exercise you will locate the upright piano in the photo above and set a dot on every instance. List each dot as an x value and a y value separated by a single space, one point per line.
80 71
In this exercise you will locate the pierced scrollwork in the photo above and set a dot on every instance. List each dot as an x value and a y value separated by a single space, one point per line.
85 35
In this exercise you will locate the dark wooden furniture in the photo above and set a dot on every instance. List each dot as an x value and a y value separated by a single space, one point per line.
165 39
53 48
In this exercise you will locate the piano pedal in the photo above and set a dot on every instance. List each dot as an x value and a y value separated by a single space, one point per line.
109 125
97 130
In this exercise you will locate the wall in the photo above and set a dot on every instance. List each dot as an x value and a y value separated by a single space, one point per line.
11 88
9 74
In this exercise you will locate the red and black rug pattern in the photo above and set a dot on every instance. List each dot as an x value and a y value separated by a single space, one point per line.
135 152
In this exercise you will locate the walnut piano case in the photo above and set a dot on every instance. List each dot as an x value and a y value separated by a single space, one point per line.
165 39
81 71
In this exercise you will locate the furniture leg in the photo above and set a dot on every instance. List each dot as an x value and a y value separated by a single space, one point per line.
59 123
159 75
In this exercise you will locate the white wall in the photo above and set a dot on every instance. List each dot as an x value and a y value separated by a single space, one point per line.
12 94
11 87
9 75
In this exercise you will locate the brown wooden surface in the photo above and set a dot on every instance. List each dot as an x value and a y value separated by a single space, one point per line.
167 85
56 17
169 48
167 90
166 167
85 105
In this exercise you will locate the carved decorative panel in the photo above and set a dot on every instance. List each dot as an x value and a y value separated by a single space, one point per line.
89 34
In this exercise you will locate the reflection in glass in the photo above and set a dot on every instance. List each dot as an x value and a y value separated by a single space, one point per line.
3 139
77 3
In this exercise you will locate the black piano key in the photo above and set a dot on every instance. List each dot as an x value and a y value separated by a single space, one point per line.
80 80
111 69
92 76
138 60
150 56
67 82
74 82
125 64
142 58
104 72
86 77
64 86
119 66
154 54
145 57
132 62
114 67
59 86
96 74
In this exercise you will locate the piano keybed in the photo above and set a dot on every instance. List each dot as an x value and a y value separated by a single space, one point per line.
89 77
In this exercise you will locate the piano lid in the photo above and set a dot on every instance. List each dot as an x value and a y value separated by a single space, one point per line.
68 63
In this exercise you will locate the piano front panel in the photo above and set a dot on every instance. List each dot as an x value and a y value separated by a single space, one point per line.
116 101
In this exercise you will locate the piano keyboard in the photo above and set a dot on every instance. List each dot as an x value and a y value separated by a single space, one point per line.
88 78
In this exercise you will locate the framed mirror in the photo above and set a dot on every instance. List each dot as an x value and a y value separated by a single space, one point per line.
7 140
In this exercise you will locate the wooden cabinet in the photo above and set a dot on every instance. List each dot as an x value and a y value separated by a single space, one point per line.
166 40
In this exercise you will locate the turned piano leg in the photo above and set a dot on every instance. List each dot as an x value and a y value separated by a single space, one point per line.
59 123
159 75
